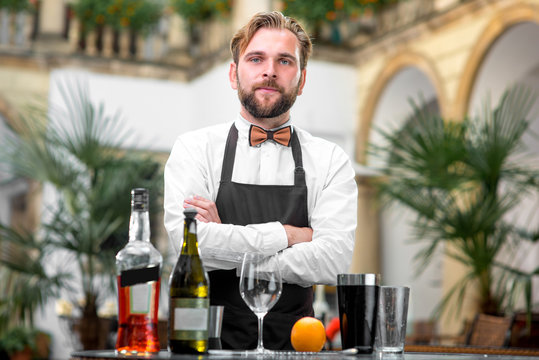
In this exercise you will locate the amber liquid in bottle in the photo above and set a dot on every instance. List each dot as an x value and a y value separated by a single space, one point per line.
138 267
137 333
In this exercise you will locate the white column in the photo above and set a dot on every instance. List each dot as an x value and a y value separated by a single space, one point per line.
51 17
244 9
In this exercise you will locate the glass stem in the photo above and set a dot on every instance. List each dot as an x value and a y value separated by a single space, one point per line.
260 347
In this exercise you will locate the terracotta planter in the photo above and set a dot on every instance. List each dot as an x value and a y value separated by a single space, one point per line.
25 354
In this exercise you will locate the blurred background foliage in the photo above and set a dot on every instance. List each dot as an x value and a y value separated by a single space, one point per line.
76 153
464 180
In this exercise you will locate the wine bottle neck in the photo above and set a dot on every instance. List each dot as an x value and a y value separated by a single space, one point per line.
190 241
139 226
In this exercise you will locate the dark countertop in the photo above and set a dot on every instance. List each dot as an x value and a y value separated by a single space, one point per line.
324 355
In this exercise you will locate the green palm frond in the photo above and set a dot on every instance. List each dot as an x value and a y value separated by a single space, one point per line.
34 156
458 292
25 281
76 149
461 179
92 136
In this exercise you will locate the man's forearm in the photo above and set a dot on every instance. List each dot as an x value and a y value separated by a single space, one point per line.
297 235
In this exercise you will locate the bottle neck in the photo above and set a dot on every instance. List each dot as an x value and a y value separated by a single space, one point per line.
139 226
190 241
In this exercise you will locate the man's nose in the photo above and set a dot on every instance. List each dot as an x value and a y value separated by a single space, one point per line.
269 71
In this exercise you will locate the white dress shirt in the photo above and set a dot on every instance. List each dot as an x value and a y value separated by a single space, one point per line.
194 168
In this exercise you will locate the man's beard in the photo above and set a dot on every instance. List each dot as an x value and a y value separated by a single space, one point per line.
259 111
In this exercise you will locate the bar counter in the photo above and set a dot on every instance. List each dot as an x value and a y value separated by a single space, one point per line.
425 353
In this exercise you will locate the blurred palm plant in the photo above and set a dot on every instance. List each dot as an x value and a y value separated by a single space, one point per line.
462 179
76 150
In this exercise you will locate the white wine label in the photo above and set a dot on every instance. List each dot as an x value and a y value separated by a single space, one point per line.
140 298
190 318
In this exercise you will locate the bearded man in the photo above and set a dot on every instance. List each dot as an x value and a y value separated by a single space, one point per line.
261 185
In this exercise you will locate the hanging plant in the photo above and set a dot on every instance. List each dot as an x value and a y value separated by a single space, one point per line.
196 11
91 13
137 15
18 5
315 13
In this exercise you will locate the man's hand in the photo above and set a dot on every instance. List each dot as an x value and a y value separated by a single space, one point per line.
298 234
207 211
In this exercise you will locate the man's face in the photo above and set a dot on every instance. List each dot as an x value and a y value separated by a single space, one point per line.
267 76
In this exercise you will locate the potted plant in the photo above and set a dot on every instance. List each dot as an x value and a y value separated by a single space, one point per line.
18 343
317 13
91 15
461 179
24 343
17 5
77 153
197 12
135 16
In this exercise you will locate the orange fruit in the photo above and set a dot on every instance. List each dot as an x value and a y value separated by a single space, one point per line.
308 334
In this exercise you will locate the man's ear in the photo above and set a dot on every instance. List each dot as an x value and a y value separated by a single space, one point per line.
232 75
302 81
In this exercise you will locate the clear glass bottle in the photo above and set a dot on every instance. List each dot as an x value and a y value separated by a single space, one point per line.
138 267
189 296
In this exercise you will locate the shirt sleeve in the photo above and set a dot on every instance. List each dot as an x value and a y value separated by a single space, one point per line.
221 245
333 220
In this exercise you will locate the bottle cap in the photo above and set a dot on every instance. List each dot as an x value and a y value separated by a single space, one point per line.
140 198
190 213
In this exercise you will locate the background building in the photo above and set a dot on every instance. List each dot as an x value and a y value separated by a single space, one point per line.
452 53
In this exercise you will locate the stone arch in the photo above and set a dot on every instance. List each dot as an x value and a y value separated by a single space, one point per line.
506 18
389 70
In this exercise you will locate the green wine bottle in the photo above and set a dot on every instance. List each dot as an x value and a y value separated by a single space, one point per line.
189 296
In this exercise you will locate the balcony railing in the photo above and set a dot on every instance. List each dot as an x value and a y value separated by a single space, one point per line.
170 42
16 29
194 49
158 45
390 18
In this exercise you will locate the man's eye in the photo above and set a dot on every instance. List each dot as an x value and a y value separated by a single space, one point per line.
285 62
255 60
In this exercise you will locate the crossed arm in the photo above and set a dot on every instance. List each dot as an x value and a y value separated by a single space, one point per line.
308 255
207 212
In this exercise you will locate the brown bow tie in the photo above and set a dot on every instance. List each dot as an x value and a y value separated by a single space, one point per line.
257 135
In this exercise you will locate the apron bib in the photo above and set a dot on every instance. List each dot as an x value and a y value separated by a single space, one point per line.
243 204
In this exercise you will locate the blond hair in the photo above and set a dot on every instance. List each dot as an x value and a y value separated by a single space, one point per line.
271 20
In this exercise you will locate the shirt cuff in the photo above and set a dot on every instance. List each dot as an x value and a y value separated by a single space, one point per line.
273 235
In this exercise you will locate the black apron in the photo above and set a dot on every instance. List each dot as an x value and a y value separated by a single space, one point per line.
243 204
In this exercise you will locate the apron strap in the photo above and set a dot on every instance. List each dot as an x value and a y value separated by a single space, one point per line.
230 155
299 172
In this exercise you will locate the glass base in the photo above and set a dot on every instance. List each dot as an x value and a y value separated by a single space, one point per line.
390 349
390 353
280 353
242 353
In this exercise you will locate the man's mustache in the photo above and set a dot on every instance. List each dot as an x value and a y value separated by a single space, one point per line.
269 84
